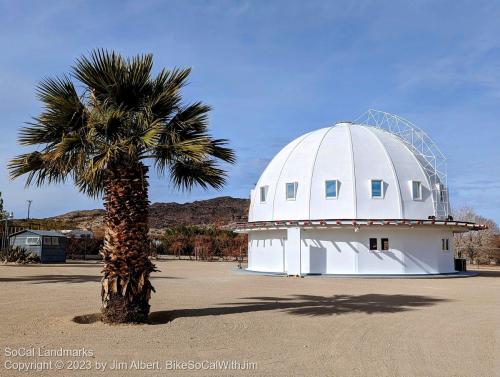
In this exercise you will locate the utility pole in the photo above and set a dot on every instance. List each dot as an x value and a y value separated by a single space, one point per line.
5 238
29 207
3 215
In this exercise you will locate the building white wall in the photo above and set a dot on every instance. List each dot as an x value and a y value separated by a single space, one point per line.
344 251
266 250
293 251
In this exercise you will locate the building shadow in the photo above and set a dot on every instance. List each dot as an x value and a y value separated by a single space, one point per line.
487 273
44 279
306 305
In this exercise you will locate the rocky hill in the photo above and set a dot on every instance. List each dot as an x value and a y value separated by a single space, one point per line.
222 210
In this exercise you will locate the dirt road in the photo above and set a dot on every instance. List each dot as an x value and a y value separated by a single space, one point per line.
205 313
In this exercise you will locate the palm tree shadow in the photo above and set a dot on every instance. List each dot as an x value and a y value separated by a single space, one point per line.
45 279
306 305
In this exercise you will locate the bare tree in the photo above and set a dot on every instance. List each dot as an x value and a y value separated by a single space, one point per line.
478 246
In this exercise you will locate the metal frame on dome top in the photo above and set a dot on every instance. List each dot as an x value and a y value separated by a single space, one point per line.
431 157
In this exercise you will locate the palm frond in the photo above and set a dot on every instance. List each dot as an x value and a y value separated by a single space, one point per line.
186 137
91 184
64 112
40 168
115 80
165 92
220 151
185 174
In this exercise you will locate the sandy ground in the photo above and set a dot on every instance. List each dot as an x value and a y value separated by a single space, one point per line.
287 326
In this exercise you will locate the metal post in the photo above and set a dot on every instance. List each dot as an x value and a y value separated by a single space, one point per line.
5 235
5 238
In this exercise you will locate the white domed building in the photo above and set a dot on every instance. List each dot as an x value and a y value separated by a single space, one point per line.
367 197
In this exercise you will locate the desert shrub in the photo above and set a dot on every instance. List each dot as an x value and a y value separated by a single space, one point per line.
204 246
157 248
204 243
19 255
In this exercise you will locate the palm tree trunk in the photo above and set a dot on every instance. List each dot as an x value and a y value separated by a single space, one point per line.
126 288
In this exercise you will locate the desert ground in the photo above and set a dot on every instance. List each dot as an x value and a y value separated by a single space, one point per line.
206 312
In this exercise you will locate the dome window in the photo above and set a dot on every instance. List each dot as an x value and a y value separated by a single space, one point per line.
416 190
291 190
377 188
331 187
263 193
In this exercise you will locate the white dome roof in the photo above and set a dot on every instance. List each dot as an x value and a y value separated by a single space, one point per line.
353 155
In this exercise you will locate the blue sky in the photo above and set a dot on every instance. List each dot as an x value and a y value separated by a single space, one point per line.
273 70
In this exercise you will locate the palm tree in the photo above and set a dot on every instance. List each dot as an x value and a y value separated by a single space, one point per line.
105 137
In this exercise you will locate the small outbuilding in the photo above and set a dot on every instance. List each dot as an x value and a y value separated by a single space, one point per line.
50 246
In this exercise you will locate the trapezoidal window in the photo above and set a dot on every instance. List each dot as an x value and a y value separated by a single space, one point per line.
331 189
377 186
263 193
416 190
291 190
373 244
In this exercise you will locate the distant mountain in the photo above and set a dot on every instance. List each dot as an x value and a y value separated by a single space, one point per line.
222 210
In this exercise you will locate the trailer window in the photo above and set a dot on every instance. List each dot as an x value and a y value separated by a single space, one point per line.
373 244
32 241
55 240
47 240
